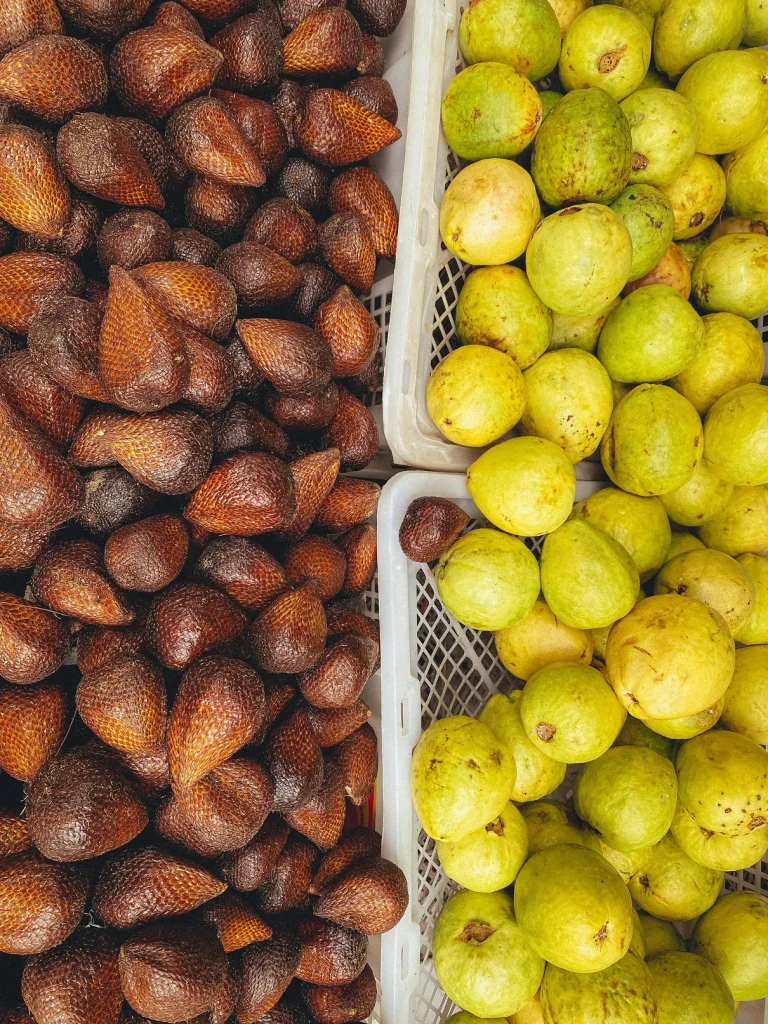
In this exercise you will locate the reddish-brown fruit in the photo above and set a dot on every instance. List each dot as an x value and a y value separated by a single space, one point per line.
156 69
41 400
33 723
75 78
33 195
63 340
124 703
376 94
337 680
268 968
217 10
318 284
360 190
317 561
246 494
33 641
19 547
236 923
91 446
350 330
359 547
369 380
71 579
223 1007
260 276
100 646
288 885
314 477
172 970
358 844
292 356
294 11
371 897
327 41
350 501
289 634
429 527
332 725
146 883
112 499
247 377
285 228
203 298
23 19
79 236
189 619
107 19
40 903
358 759
217 210
260 125
193 246
340 1003
14 833
347 246
78 983
210 384
241 426
303 182
205 134
169 451
243 569
330 954
288 102
252 51
150 772
166 169
147 555
100 156
303 415
130 238
27 279
175 825
249 867
279 694
172 15
336 130
81 805
379 18
295 761
321 817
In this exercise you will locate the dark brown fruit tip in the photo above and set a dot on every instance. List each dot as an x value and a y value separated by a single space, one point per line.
33 723
78 982
252 51
342 671
130 238
358 844
291 356
172 15
305 183
336 130
358 758
372 61
63 340
353 431
321 817
189 619
33 641
124 703
249 867
40 903
217 210
260 276
295 761
338 1004
376 94
33 194
75 78
314 477
246 494
241 426
330 954
288 885
284 227
347 246
318 283
237 924
302 415
243 569
193 246
289 634
71 579
205 134
147 555
113 498
380 18
316 560
268 968
371 897
429 527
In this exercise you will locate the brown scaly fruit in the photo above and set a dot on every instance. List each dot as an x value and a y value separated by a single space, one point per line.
51 408
23 19
267 969
79 236
99 646
169 451
241 426
260 125
288 101
247 377
371 896
223 1007
357 845
350 330
381 17
201 297
260 276
359 547
91 445
347 246
318 561
243 569
218 709
292 356
172 15
33 723
33 641
249 867
166 169
279 695
112 499
75 78
252 51
19 547
429 527
193 246
360 190
237 924
327 41
71 579
131 238
294 11
353 431
33 194
338 677
106 19
14 833
349 502
302 415
321 817
332 725
149 772
40 903
156 69
189 619
220 211
372 60
358 758
288 885
217 10
148 555
330 954
318 283
124 703
246 494
304 182
205 134
174 824
314 477
27 279
146 883
78 982
289 634
211 382
336 130
376 94
285 228
339 1003
295 761
63 340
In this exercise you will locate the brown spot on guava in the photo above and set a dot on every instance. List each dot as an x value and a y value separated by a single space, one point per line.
545 731
644 881
476 931
495 757
696 219
610 60
497 827
602 935
472 764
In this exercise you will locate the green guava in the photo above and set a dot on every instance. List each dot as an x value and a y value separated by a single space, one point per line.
671 656
682 542
549 100
650 221
570 713
653 442
598 161
723 782
687 30
733 936
672 886
746 699
637 945
737 226
637 734
712 850
462 777
487 579
579 331
489 858
538 640
573 908
606 48
489 210
537 775
621 994
578 259
525 486
730 276
482 958
689 990
729 93
589 580
746 180
643 10
470 1018
736 435
569 401
660 936
697 501
756 30
550 824
522 33
664 132
742 525
529 1014
567 11
498 307
652 335
490 110
697 195
476 395
713 578
688 726
672 269
640 525
694 247
755 629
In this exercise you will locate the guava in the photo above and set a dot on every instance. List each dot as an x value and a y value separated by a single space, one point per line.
713 578
589 580
650 221
671 885
637 734
537 775
688 726
671 656
713 850
489 858
742 525
489 210
569 401
737 226
598 161
729 93
687 30
672 269
549 100
736 435
689 990
755 629
462 777
620 994
567 11
538 640
470 1018
525 485
573 908
522 33
605 48
694 247
653 442
476 395
498 307
664 132
637 945
660 936
550 824
652 335
570 713
487 579
733 936
620 391
627 864
682 542
697 195
655 79
642 10
697 501
481 956
746 180
723 782
578 259
640 525
756 30
746 699
529 1014
730 355
731 276
579 331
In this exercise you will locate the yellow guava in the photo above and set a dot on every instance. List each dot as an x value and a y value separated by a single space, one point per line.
489 858
746 180
567 11
650 221
549 823
733 936
689 990
697 501
736 436
579 331
697 195
664 134
538 640
529 1014
713 578
716 851
627 865
756 31
660 936
606 48
682 542
672 269
730 276
672 886
621 994
522 33
469 1018
536 775
742 525
755 629
731 354
687 30
737 226
688 726
746 699
640 525
637 734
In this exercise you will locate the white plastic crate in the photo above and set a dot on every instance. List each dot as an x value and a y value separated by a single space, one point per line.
433 667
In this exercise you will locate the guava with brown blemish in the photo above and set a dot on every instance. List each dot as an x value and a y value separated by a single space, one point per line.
713 578
664 131
672 886
522 33
731 276
690 990
489 858
608 48
714 850
620 994
741 526
537 774
697 195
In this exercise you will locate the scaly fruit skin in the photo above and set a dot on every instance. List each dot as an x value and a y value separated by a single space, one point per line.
252 51
33 194
33 722
124 703
77 982
342 1002
27 279
33 641
336 130
206 136
76 70
41 903
49 407
70 578
327 41
361 190
268 968
24 19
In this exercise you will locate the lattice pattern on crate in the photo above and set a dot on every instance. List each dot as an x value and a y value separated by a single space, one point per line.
379 305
